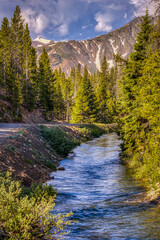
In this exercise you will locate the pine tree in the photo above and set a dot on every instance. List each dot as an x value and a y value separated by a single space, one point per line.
149 134
46 79
78 78
17 98
85 107
68 97
29 71
5 58
129 83
17 31
59 107
105 99
140 106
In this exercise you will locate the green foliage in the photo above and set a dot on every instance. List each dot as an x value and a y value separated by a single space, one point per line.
85 107
40 191
27 216
89 131
140 106
85 133
58 139
50 165
105 96
46 80
18 64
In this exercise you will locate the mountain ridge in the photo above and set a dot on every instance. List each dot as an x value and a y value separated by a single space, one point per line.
68 54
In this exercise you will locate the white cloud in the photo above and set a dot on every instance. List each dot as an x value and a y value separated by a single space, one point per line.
57 16
142 5
37 23
125 15
114 6
41 23
103 22
85 26
63 29
54 14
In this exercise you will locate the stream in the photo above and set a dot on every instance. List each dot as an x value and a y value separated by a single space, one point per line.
97 187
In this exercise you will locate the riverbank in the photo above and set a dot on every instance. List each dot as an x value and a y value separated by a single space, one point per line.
30 156
152 190
102 194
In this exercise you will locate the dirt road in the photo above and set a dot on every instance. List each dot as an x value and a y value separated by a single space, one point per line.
10 129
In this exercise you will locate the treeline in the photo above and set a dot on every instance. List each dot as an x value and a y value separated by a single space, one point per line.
139 104
31 84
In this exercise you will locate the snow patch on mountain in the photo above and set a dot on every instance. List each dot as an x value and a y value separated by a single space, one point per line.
113 47
110 63
98 63
86 44
42 40
124 55
122 41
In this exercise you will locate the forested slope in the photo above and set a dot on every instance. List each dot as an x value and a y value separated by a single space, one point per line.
139 102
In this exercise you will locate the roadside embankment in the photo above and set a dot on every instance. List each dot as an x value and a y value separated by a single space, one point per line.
32 153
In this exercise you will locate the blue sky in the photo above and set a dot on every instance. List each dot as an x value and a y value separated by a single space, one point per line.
75 19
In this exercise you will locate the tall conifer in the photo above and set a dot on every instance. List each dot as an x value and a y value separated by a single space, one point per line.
46 79
85 107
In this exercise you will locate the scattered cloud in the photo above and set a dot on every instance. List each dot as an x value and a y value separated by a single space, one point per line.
63 29
125 15
87 26
114 6
36 22
61 18
142 5
103 22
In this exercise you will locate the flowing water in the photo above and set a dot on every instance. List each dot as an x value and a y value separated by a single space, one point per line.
103 196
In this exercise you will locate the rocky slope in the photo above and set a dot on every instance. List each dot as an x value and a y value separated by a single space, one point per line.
91 52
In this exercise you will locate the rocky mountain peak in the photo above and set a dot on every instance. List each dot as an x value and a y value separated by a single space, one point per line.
68 54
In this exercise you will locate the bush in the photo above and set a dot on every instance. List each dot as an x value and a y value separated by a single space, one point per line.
58 140
91 130
84 132
27 216
50 165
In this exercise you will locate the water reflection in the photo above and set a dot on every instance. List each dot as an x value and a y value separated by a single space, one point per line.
100 192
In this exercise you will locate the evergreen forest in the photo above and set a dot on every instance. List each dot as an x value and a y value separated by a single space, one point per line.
28 83
139 105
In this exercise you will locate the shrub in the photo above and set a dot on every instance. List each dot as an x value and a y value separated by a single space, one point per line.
58 140
84 132
27 216
91 130
50 165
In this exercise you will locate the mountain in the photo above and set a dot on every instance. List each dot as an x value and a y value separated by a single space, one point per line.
67 54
